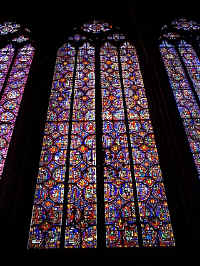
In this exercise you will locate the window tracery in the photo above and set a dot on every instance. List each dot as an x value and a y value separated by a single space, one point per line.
99 165
181 60
15 62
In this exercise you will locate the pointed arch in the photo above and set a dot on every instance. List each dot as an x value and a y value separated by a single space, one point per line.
46 222
102 185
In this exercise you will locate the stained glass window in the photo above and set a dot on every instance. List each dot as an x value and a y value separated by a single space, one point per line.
99 183
183 67
15 61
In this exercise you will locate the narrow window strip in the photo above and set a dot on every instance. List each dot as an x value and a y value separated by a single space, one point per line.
11 98
153 208
6 56
82 202
46 222
120 217
184 97
192 63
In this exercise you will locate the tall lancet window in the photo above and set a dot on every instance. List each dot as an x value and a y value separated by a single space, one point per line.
179 49
16 54
99 182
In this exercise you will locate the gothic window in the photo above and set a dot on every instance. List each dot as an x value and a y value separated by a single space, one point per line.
179 49
99 182
16 54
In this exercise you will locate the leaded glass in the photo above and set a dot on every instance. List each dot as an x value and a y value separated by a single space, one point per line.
116 37
45 230
120 214
120 218
6 56
172 35
77 37
192 63
20 39
81 208
185 24
9 27
153 208
185 99
12 96
97 27
98 108
15 62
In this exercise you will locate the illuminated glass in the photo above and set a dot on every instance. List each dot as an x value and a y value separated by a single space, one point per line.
186 25
153 209
81 208
120 215
116 37
171 35
186 102
77 37
20 39
9 27
12 95
96 27
45 230
120 218
6 56
192 63
65 203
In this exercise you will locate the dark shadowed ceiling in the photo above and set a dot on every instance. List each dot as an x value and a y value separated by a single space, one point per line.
53 18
